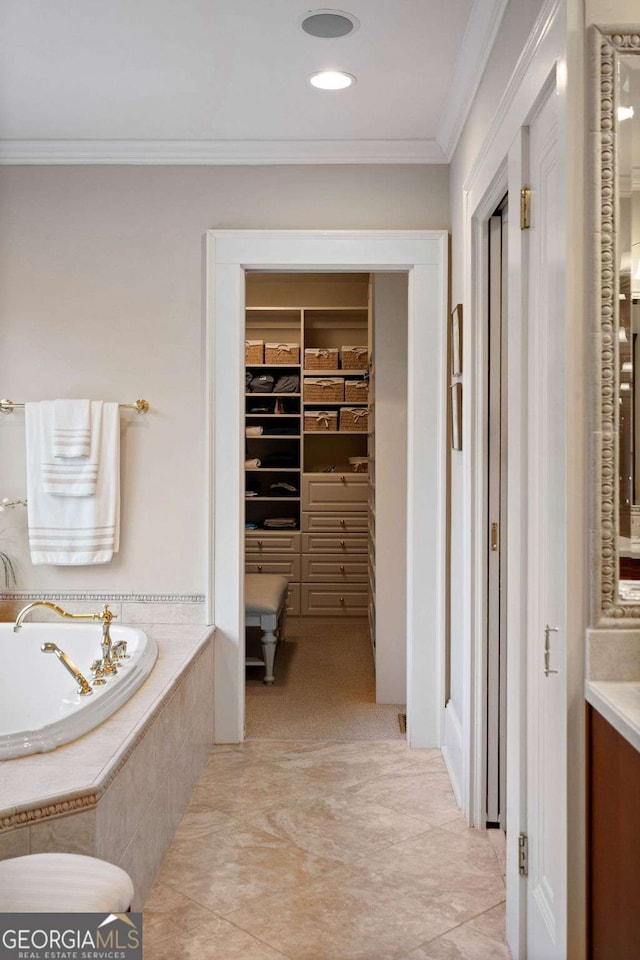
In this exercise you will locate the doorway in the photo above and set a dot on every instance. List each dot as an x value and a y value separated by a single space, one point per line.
423 256
317 397
495 720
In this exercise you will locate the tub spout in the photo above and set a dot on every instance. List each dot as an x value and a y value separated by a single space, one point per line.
83 687
105 617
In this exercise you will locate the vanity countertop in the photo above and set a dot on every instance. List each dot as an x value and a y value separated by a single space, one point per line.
618 701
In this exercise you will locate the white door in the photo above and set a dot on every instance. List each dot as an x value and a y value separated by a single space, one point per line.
546 588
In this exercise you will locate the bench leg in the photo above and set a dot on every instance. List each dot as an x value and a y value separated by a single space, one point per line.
269 653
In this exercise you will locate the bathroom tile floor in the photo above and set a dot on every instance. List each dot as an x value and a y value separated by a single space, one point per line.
327 849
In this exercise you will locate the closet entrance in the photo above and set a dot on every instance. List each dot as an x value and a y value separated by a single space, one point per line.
312 452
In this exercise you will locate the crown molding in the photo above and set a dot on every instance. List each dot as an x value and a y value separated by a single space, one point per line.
213 152
475 49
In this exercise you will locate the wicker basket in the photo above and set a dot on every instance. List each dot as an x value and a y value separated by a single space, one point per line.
354 418
321 358
354 358
282 353
318 421
254 351
356 391
324 389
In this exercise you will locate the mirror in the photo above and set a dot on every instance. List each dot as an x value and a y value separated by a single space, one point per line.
617 308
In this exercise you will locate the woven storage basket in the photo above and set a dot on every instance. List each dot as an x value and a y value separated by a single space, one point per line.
319 420
282 353
254 351
354 358
324 389
354 418
356 391
325 358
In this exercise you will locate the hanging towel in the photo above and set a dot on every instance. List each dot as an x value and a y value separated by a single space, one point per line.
71 428
67 530
69 477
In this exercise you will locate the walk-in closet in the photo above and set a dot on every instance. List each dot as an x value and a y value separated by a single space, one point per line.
312 454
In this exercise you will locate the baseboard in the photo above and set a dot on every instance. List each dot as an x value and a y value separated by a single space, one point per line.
452 750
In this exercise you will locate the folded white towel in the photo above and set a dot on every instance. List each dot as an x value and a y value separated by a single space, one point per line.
253 463
71 428
74 529
254 431
69 477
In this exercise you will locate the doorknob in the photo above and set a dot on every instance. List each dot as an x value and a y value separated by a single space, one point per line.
547 651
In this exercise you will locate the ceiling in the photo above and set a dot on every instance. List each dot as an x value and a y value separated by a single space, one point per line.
224 81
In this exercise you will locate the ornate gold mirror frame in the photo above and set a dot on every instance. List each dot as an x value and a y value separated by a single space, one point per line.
609 43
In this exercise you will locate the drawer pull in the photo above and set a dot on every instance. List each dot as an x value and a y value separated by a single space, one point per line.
341 569
260 544
259 568
343 523
341 599
344 479
343 545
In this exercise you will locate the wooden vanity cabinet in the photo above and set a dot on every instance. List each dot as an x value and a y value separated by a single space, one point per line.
613 843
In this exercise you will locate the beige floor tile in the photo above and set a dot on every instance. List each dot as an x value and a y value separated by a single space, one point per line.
462 943
228 867
492 923
340 828
343 916
458 875
176 928
498 841
424 793
243 786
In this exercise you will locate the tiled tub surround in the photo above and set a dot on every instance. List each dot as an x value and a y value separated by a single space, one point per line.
128 608
612 686
119 791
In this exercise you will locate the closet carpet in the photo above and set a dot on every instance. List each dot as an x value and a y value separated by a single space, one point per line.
324 686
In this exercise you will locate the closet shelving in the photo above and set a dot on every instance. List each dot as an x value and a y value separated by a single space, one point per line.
326 556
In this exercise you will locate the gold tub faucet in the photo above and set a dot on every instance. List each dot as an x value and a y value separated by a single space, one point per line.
83 687
105 617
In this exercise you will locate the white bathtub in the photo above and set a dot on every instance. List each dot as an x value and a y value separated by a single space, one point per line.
40 707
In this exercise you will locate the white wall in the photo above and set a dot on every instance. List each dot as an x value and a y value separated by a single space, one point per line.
101 295
390 338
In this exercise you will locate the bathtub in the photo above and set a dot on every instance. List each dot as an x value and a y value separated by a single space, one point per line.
40 707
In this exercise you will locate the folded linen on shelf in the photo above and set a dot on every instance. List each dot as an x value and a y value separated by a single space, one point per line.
252 463
281 523
254 431
262 383
287 384
73 530
71 428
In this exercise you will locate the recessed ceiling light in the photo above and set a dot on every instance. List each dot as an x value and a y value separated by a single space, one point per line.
329 24
331 80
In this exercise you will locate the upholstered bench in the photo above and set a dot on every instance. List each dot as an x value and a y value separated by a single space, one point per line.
265 597
63 883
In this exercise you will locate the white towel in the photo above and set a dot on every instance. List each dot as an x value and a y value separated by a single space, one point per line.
254 431
74 530
71 428
69 477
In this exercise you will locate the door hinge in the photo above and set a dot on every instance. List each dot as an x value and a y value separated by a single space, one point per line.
495 537
525 208
523 855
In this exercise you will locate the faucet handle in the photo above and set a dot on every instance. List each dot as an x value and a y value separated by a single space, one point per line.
98 673
107 616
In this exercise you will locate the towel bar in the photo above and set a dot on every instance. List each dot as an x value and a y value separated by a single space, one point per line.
8 406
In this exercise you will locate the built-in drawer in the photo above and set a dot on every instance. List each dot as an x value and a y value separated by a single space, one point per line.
288 567
334 523
293 600
263 543
334 492
329 600
332 569
326 543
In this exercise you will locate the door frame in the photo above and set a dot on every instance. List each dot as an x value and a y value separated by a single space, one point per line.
501 168
423 255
